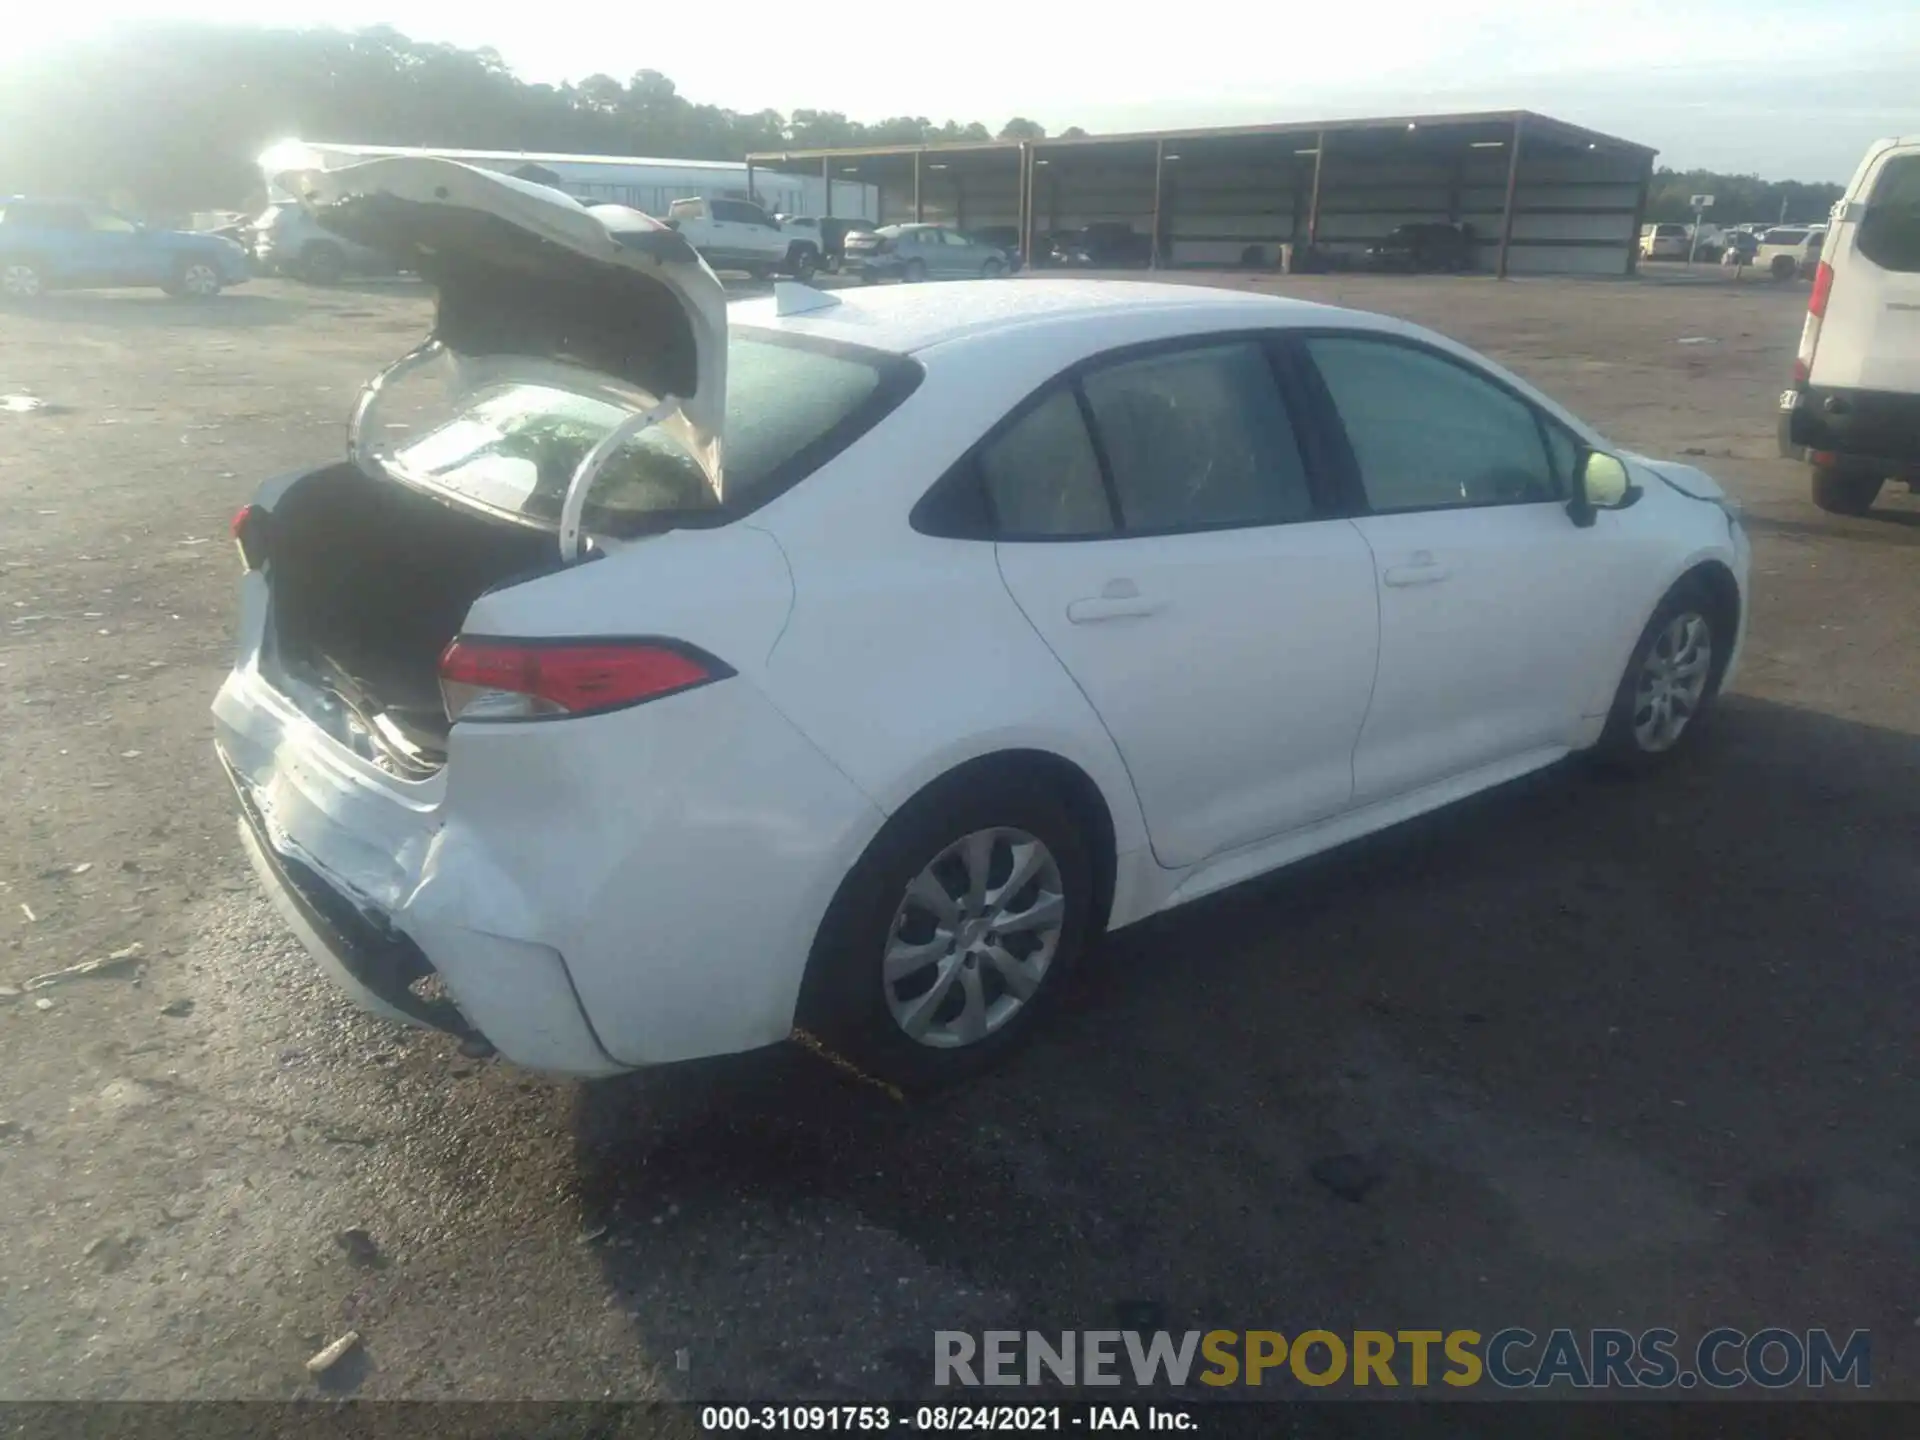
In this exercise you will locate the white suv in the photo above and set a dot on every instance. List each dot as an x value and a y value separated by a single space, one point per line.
739 235
1853 408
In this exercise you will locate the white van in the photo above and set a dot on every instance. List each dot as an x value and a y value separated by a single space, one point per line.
1853 409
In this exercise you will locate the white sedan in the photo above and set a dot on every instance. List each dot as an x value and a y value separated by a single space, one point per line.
682 675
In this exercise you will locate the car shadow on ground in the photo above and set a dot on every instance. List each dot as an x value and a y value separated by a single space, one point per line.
1582 1051
232 309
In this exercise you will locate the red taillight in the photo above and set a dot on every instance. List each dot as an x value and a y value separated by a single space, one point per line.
482 679
249 530
1822 288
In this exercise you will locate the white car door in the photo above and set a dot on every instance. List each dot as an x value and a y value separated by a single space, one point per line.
1496 610
1158 526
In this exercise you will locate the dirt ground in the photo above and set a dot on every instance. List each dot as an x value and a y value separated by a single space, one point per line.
1622 1054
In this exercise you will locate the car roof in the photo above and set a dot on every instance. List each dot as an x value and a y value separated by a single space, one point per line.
908 318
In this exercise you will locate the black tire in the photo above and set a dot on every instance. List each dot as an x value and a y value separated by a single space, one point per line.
993 269
915 272
803 263
322 263
1845 490
1622 747
845 998
1783 267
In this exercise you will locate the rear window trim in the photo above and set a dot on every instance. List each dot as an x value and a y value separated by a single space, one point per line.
898 377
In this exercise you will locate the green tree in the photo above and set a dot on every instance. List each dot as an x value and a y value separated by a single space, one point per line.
1738 199
1020 128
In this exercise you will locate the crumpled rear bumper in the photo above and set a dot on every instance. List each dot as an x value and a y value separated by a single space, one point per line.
377 967
514 995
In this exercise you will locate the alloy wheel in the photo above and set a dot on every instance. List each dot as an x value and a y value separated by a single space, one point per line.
973 938
1672 681
200 280
20 282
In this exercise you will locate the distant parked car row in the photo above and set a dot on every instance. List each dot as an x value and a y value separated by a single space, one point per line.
1783 251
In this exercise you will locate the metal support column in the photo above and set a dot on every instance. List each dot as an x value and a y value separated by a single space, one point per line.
1023 195
1506 210
826 174
750 191
1313 200
1159 189
1639 218
919 207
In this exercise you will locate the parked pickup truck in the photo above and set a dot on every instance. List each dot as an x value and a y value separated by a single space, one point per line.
739 235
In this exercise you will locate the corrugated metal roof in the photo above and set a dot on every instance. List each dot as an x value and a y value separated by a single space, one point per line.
1530 120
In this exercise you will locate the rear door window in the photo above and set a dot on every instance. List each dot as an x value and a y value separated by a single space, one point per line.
1889 235
1199 438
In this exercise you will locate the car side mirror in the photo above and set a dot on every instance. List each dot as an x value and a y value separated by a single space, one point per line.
1601 482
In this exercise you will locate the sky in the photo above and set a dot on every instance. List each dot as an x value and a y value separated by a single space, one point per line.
1785 89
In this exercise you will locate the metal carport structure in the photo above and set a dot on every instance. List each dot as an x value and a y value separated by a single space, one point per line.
1543 196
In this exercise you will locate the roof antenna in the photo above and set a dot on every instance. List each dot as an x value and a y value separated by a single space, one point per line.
790 297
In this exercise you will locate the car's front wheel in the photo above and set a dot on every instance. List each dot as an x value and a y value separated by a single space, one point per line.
1671 681
21 280
950 938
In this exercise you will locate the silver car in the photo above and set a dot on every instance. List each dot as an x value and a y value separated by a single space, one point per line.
920 252
288 241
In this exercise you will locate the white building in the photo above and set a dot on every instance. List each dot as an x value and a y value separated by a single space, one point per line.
645 184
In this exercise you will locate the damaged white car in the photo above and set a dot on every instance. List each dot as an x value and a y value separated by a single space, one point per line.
659 679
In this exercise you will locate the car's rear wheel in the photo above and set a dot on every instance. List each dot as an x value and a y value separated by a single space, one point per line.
1844 490
21 280
804 263
194 280
1671 681
915 272
322 263
1782 267
993 269
950 938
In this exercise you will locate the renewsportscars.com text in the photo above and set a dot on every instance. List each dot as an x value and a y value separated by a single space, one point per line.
1513 1358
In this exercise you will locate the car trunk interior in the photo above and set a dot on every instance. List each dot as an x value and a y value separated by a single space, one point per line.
370 581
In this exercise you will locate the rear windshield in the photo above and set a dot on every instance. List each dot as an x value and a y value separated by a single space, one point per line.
1783 237
1889 236
791 405
1670 231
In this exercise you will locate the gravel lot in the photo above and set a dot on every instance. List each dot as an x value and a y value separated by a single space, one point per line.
1623 1054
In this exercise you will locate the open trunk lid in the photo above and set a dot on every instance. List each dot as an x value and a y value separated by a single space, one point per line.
527 274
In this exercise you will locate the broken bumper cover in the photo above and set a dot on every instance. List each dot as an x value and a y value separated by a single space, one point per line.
514 996
377 968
